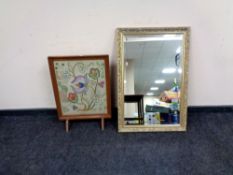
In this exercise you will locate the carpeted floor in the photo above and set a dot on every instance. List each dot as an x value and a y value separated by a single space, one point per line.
39 145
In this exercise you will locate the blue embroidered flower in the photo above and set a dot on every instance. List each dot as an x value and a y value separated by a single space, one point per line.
79 83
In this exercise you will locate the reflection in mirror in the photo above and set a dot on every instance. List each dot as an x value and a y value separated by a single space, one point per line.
153 75
152 69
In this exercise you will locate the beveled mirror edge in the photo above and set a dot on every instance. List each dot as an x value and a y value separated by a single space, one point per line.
120 77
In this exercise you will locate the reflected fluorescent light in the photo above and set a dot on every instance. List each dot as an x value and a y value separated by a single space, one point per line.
178 50
172 37
159 81
153 38
125 81
154 88
168 70
126 63
149 93
169 35
180 70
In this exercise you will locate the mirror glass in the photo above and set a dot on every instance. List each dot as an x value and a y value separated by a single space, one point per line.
152 64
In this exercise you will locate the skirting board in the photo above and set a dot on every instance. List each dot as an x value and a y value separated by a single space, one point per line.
33 112
198 109
53 111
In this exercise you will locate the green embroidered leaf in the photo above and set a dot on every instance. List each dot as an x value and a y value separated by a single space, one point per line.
65 109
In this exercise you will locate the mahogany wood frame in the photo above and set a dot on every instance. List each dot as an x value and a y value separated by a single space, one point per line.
66 118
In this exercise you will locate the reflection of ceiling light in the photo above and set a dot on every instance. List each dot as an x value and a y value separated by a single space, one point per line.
172 37
180 70
159 81
169 35
153 38
126 63
178 50
168 70
125 81
154 88
149 93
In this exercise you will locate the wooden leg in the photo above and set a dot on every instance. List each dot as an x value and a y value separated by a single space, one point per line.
67 125
102 123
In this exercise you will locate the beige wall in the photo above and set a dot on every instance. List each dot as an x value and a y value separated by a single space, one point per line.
31 30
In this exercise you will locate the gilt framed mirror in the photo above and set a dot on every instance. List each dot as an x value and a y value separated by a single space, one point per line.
152 71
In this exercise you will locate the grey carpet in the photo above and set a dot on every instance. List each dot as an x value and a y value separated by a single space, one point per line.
39 145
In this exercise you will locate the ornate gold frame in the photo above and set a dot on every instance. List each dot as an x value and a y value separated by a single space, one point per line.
121 32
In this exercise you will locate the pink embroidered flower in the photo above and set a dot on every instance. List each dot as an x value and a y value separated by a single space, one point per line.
72 96
101 84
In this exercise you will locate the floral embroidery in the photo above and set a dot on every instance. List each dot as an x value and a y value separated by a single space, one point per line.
94 73
82 86
101 84
79 83
72 96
